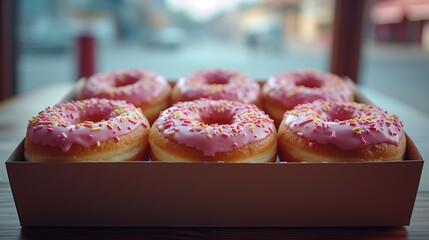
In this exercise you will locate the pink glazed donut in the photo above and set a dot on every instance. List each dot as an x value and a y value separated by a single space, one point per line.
88 130
325 131
146 90
213 131
217 84
286 90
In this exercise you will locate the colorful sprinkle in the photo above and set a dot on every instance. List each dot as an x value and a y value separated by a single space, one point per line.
243 124
64 127
359 125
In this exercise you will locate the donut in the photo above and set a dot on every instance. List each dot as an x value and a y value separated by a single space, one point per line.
217 84
145 89
213 131
327 131
284 91
88 131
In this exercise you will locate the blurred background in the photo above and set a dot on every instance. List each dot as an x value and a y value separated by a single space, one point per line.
257 37
46 45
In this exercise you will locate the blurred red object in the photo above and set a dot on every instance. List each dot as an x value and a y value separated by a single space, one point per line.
400 20
394 11
86 55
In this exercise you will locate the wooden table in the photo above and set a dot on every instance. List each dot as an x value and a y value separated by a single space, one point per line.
13 119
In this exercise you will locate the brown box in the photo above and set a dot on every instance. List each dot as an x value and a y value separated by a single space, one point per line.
215 194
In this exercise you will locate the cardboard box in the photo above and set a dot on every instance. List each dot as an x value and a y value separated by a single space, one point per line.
215 194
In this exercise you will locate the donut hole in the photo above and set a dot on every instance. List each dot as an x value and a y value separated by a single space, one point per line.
217 78
125 80
216 118
309 82
341 115
94 115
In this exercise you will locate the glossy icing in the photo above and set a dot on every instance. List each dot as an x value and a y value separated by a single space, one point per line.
86 123
213 126
297 87
134 86
346 125
219 84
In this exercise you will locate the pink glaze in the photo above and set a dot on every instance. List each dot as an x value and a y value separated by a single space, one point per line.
297 87
346 125
219 84
70 123
134 86
229 125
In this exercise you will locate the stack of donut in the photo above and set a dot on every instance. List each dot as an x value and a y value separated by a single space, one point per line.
215 117
145 89
284 91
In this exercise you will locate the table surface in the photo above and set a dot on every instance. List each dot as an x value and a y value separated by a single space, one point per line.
15 112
